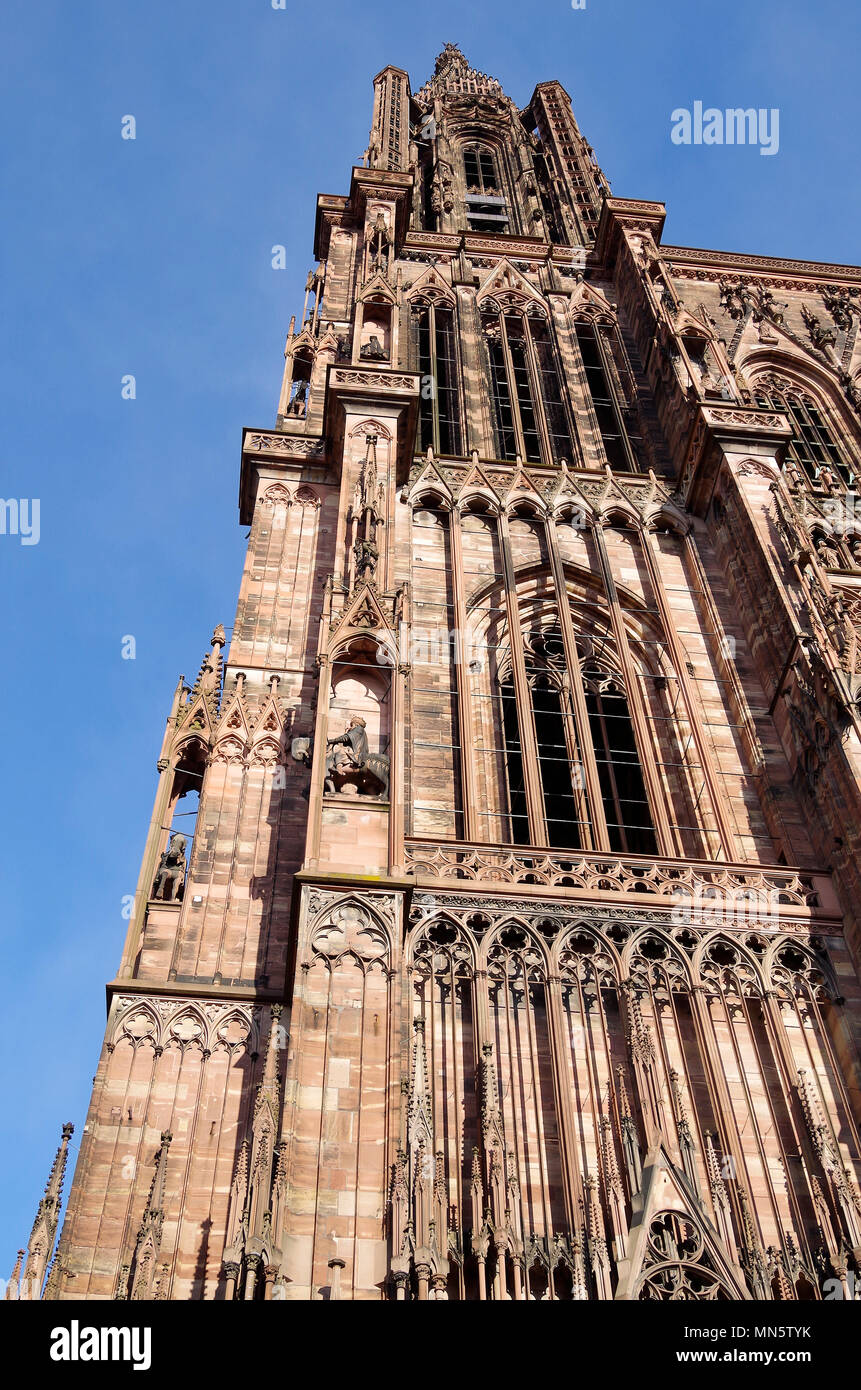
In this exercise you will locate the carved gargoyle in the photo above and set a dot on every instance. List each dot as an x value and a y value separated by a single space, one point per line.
301 750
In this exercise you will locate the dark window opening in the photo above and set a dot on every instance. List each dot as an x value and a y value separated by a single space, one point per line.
439 403
526 393
623 789
812 445
486 208
514 761
560 808
620 445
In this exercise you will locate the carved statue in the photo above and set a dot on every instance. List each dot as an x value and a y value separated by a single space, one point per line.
841 305
356 764
827 552
379 245
820 336
170 878
367 556
299 402
373 350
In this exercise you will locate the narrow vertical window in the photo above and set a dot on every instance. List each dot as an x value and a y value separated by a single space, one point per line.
560 738
529 414
439 402
812 446
560 812
623 788
517 805
486 208
621 447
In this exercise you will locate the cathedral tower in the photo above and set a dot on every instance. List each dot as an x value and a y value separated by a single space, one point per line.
513 952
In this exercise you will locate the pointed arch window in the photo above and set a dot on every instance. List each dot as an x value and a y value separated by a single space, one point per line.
812 447
623 788
486 208
436 358
562 744
529 415
599 350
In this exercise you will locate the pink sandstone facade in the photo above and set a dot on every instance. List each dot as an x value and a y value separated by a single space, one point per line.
515 951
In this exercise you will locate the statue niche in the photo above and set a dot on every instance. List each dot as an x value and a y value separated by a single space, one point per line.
170 878
349 761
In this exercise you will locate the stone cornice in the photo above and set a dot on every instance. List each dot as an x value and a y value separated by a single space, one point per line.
734 427
290 445
183 989
271 449
714 265
632 214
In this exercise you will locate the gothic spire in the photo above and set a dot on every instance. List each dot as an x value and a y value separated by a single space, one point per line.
44 1232
452 75
12 1286
149 1235
208 683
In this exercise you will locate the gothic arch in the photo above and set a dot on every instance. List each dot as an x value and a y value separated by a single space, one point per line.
351 927
265 752
277 496
519 499
808 377
137 1023
603 948
428 498
452 941
431 288
235 1034
719 959
187 1028
512 945
793 969
229 750
639 965
371 426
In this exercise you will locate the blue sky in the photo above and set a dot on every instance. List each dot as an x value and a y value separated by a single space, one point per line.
153 257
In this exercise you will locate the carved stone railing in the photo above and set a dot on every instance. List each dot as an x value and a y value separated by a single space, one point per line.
609 873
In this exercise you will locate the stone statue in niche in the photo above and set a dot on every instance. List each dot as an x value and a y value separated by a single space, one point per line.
299 403
828 553
170 878
367 556
379 245
373 350
348 760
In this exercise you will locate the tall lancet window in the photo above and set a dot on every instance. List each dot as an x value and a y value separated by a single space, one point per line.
436 358
517 804
529 415
623 788
486 208
812 447
560 763
614 409
606 739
